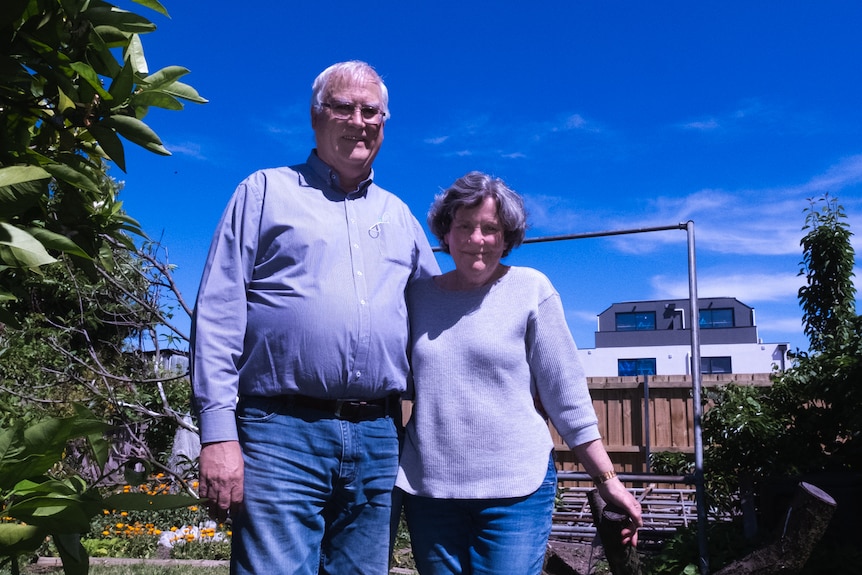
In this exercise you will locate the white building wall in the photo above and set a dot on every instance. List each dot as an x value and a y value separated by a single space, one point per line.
676 360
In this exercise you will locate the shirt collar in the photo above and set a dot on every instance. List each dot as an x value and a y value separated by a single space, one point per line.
329 175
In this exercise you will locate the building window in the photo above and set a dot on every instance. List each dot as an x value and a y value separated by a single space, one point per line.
636 321
715 365
643 366
715 318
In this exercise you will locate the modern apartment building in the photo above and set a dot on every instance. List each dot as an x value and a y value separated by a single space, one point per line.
654 338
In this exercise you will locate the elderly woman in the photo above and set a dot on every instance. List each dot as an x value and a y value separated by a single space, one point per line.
490 343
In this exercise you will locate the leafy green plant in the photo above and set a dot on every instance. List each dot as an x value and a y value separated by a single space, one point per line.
810 420
680 555
671 463
201 549
73 82
40 497
140 547
741 432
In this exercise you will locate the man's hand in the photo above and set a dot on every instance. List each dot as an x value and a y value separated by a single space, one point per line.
221 478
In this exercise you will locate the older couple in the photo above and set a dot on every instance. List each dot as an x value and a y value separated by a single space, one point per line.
300 355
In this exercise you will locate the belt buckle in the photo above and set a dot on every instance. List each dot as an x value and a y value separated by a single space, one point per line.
352 404
339 404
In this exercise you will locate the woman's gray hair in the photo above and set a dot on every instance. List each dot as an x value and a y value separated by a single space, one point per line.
347 75
469 191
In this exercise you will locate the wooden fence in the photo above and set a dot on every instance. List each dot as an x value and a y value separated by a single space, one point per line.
631 430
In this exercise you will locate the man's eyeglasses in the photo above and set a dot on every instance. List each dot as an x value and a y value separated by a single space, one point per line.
346 110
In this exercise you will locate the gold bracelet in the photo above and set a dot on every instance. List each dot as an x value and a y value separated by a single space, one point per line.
606 476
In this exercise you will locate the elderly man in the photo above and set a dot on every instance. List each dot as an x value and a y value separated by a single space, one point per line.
299 346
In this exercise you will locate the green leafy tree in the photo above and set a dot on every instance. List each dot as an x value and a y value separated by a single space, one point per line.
73 84
810 419
828 299
77 296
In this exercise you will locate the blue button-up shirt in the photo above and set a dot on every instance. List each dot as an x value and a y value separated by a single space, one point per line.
303 292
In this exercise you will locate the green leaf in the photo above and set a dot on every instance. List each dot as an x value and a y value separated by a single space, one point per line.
134 54
157 98
113 36
100 57
163 77
185 92
29 453
99 446
89 75
16 538
137 132
57 512
107 15
11 449
11 175
72 175
123 84
47 486
21 249
111 144
55 241
153 5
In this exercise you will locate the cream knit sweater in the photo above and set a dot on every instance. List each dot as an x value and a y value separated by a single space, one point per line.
479 358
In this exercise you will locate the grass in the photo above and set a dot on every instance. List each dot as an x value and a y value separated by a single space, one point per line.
129 569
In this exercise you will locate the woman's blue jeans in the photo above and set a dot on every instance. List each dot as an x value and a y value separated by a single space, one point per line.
317 492
482 536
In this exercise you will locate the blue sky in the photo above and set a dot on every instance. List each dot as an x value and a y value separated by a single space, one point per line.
604 115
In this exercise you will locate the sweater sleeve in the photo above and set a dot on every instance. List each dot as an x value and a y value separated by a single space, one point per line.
558 375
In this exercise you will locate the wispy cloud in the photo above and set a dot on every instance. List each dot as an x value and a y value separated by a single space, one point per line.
750 112
553 214
189 149
766 221
482 136
702 125
750 288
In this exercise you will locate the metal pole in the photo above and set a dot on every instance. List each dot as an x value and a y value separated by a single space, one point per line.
647 424
694 322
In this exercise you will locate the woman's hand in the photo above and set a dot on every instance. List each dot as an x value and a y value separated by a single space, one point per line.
614 492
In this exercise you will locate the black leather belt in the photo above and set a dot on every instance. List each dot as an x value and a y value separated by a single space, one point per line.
349 409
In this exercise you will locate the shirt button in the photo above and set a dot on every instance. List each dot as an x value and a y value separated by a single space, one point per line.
362 301
358 374
356 246
359 273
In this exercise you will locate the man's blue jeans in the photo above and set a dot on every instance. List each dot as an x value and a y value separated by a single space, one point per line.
482 536
317 494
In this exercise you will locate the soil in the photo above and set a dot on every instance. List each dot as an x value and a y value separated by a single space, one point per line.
572 558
